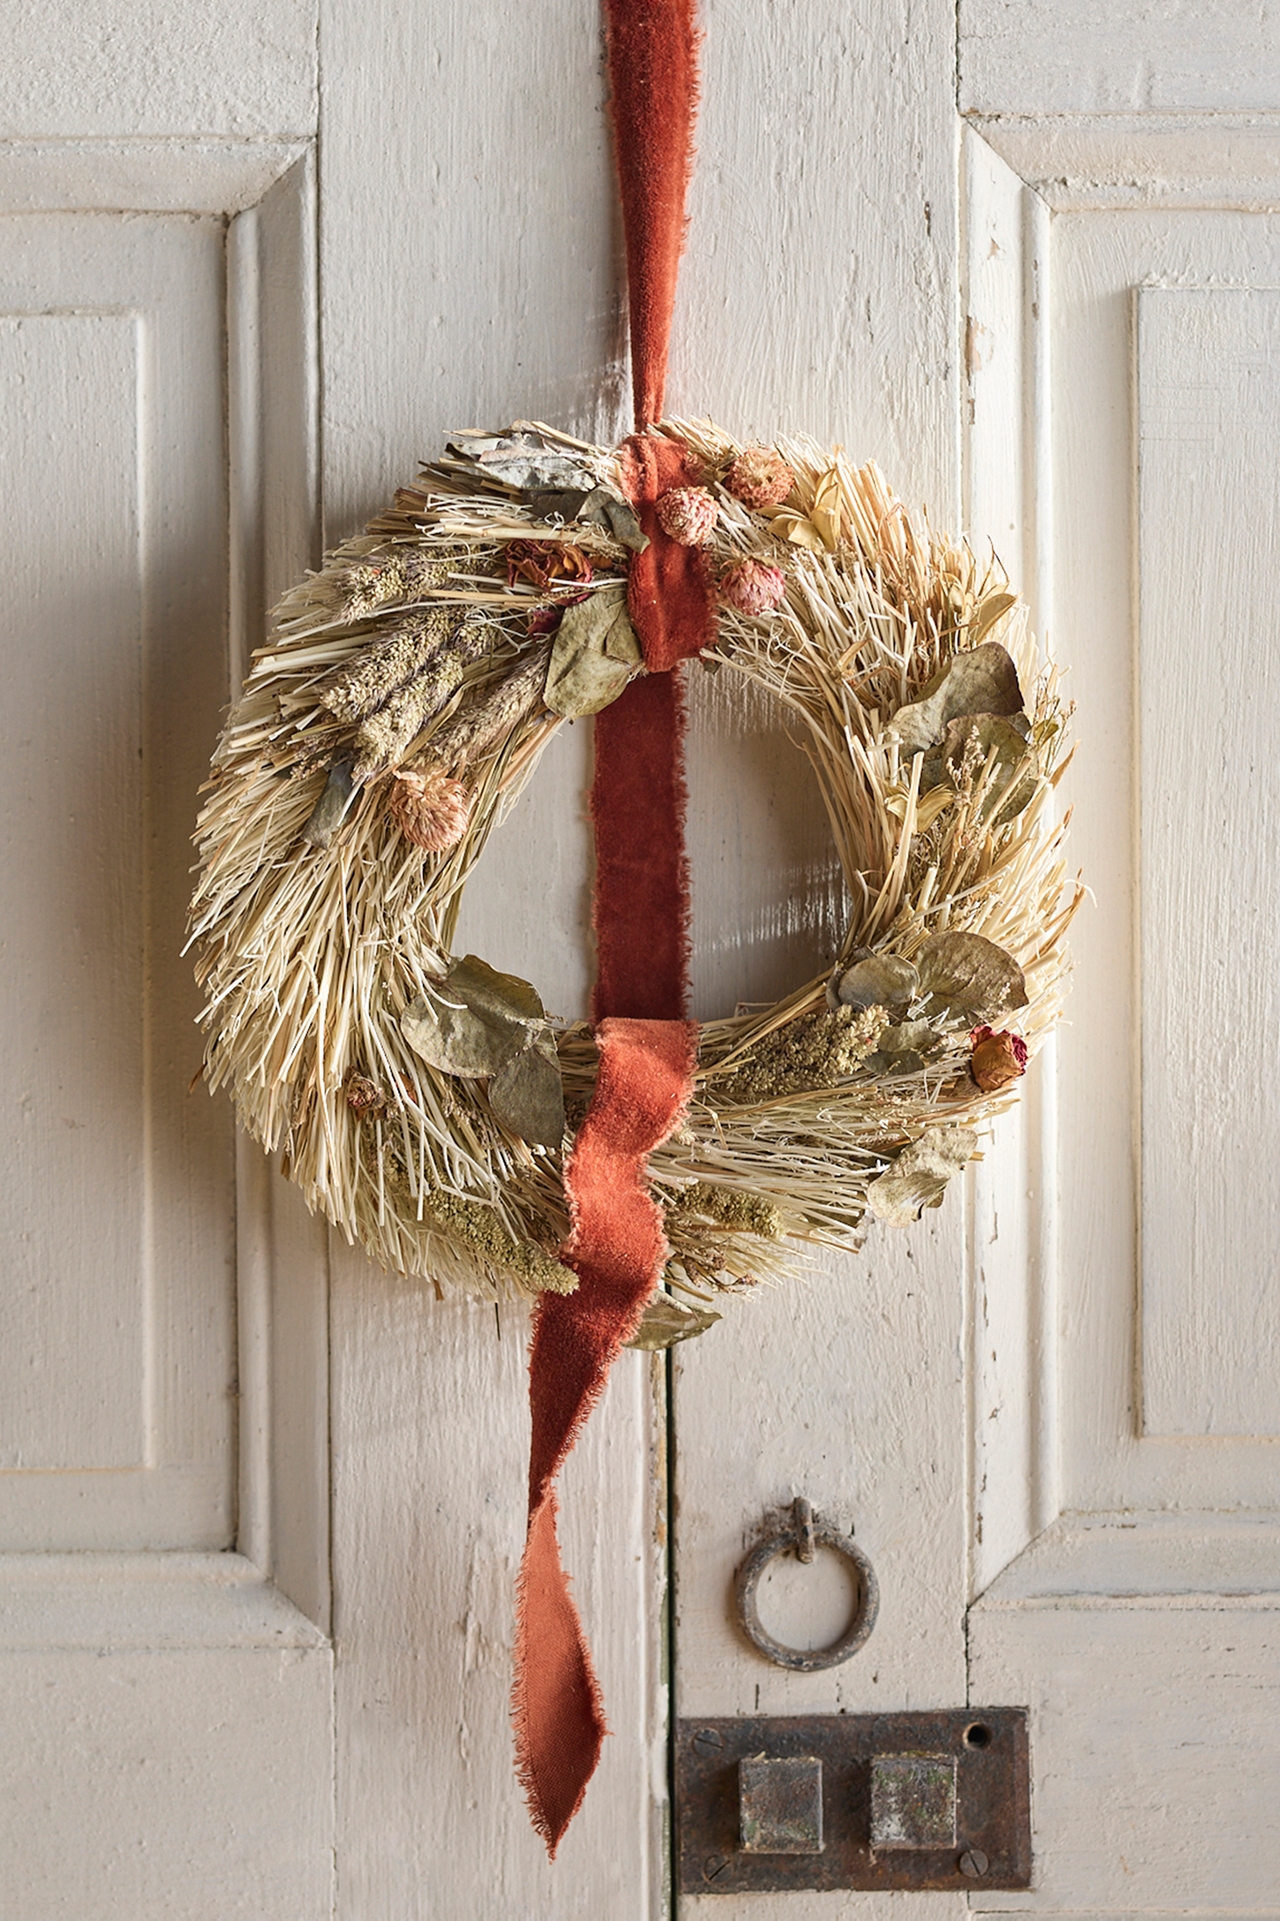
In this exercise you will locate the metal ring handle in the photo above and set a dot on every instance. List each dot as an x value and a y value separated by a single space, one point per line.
804 1534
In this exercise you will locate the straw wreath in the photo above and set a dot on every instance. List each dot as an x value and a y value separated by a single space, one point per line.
424 1102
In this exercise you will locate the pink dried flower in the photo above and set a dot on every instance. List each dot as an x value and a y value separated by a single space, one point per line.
687 515
759 478
752 587
996 1059
432 809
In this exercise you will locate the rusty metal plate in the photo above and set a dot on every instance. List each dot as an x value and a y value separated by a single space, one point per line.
909 1791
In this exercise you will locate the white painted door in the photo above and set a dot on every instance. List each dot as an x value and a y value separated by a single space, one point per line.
261 1505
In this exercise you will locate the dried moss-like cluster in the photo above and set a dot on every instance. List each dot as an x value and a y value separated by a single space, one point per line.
731 1207
819 1050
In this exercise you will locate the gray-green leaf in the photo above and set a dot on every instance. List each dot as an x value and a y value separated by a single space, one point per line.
969 976
523 460
982 681
981 733
664 1322
449 1036
874 980
487 991
593 656
327 815
527 1094
473 1021
918 1178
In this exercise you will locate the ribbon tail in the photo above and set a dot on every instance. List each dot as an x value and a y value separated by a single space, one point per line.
557 1709
616 1247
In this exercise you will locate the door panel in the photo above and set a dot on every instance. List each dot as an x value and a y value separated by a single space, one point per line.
1139 1623
1166 509
165 1709
118 1348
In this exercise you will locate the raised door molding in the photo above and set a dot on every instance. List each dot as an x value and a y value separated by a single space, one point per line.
1117 341
256 1513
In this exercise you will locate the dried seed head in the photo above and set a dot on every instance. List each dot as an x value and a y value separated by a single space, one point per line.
377 581
687 515
432 810
759 478
996 1059
752 587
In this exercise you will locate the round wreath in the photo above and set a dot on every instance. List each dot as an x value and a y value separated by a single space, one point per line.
425 1102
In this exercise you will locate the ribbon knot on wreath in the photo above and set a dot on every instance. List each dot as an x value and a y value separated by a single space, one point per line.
625 1173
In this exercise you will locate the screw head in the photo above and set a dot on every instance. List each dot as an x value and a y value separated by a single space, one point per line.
708 1741
714 1866
973 1862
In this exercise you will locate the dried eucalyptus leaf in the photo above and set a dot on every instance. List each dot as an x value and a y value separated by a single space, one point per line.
874 980
989 613
493 995
562 504
624 526
977 735
905 1048
594 655
327 815
527 1094
982 681
970 976
523 461
664 1322
596 508
457 1041
909 1037
918 1178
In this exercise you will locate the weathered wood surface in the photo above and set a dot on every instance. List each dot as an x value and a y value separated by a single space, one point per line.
945 1392
1017 56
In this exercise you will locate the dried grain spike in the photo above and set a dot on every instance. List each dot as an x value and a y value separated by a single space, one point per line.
389 662
386 736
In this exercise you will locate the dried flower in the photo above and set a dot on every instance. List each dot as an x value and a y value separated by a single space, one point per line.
996 1058
364 1097
759 478
432 809
687 515
752 587
543 563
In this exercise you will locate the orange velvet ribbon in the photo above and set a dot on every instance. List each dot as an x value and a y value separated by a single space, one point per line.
617 1246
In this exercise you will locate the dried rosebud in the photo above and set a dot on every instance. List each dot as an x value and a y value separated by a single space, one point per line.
752 587
687 515
364 1097
544 563
759 478
432 810
995 1059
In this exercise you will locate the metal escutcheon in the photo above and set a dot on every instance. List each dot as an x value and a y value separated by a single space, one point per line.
804 1535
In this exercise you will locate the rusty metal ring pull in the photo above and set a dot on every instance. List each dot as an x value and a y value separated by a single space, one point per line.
804 1535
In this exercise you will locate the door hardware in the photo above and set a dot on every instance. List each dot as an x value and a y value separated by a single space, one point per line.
805 1533
930 1801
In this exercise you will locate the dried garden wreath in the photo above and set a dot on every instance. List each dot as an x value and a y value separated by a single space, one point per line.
425 1103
